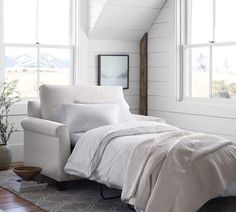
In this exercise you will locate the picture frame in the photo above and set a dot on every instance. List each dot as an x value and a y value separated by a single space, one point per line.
113 70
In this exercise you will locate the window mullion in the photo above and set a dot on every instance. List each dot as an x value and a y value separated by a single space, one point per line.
214 20
211 47
73 40
38 67
37 22
190 73
55 46
188 11
210 72
37 46
2 49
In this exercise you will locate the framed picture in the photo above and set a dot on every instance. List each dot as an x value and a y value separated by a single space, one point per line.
113 70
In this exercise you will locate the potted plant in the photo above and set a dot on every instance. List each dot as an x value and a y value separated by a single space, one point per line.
8 96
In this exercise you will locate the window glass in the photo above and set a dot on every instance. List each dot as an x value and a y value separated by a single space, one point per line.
224 72
37 43
225 20
199 68
209 64
201 21
20 21
54 66
53 22
21 65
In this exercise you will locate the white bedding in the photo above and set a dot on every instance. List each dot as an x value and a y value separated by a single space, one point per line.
74 138
112 169
89 150
179 172
103 154
113 166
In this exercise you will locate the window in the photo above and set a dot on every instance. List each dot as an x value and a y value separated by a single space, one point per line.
209 49
36 43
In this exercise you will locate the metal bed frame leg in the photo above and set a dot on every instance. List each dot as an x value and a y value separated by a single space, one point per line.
130 207
107 198
112 197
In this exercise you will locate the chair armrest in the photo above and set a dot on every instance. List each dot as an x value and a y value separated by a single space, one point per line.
47 145
43 126
148 118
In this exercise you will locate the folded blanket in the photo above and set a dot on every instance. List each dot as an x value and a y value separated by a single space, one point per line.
179 172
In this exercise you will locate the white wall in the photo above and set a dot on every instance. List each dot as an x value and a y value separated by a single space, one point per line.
121 40
122 19
162 85
117 47
94 9
18 112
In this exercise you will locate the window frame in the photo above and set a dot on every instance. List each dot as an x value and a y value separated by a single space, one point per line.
185 43
175 103
71 45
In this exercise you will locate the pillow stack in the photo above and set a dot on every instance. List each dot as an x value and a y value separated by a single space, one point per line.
124 113
86 115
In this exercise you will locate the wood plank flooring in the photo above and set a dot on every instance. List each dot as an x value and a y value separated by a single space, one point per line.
9 202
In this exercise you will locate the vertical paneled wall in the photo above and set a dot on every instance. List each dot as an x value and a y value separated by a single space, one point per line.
159 84
17 113
117 47
94 9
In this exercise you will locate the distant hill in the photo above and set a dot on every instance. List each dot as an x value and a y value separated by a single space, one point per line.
27 61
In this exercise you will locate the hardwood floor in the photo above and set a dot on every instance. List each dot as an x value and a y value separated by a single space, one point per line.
9 202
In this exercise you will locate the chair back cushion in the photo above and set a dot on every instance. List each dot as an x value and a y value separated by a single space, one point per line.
53 96
33 108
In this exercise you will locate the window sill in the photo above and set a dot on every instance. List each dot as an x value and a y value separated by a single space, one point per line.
208 101
19 108
206 107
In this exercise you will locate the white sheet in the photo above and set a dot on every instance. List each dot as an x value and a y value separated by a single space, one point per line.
88 152
113 166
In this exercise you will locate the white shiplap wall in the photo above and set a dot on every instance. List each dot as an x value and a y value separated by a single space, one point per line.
161 85
123 19
17 113
117 47
94 9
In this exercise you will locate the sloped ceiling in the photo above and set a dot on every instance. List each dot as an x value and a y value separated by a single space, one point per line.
122 19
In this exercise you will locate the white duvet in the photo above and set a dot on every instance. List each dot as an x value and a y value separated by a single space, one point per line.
159 157
102 154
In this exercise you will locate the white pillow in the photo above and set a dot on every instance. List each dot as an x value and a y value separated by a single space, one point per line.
83 117
124 113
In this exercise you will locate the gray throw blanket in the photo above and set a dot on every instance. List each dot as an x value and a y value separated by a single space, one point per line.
179 171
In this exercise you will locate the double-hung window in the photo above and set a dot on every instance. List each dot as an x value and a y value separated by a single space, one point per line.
209 49
36 43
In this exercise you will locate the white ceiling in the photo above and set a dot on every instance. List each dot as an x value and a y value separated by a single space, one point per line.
122 19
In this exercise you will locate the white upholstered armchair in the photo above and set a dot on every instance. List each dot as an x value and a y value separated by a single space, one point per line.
46 140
